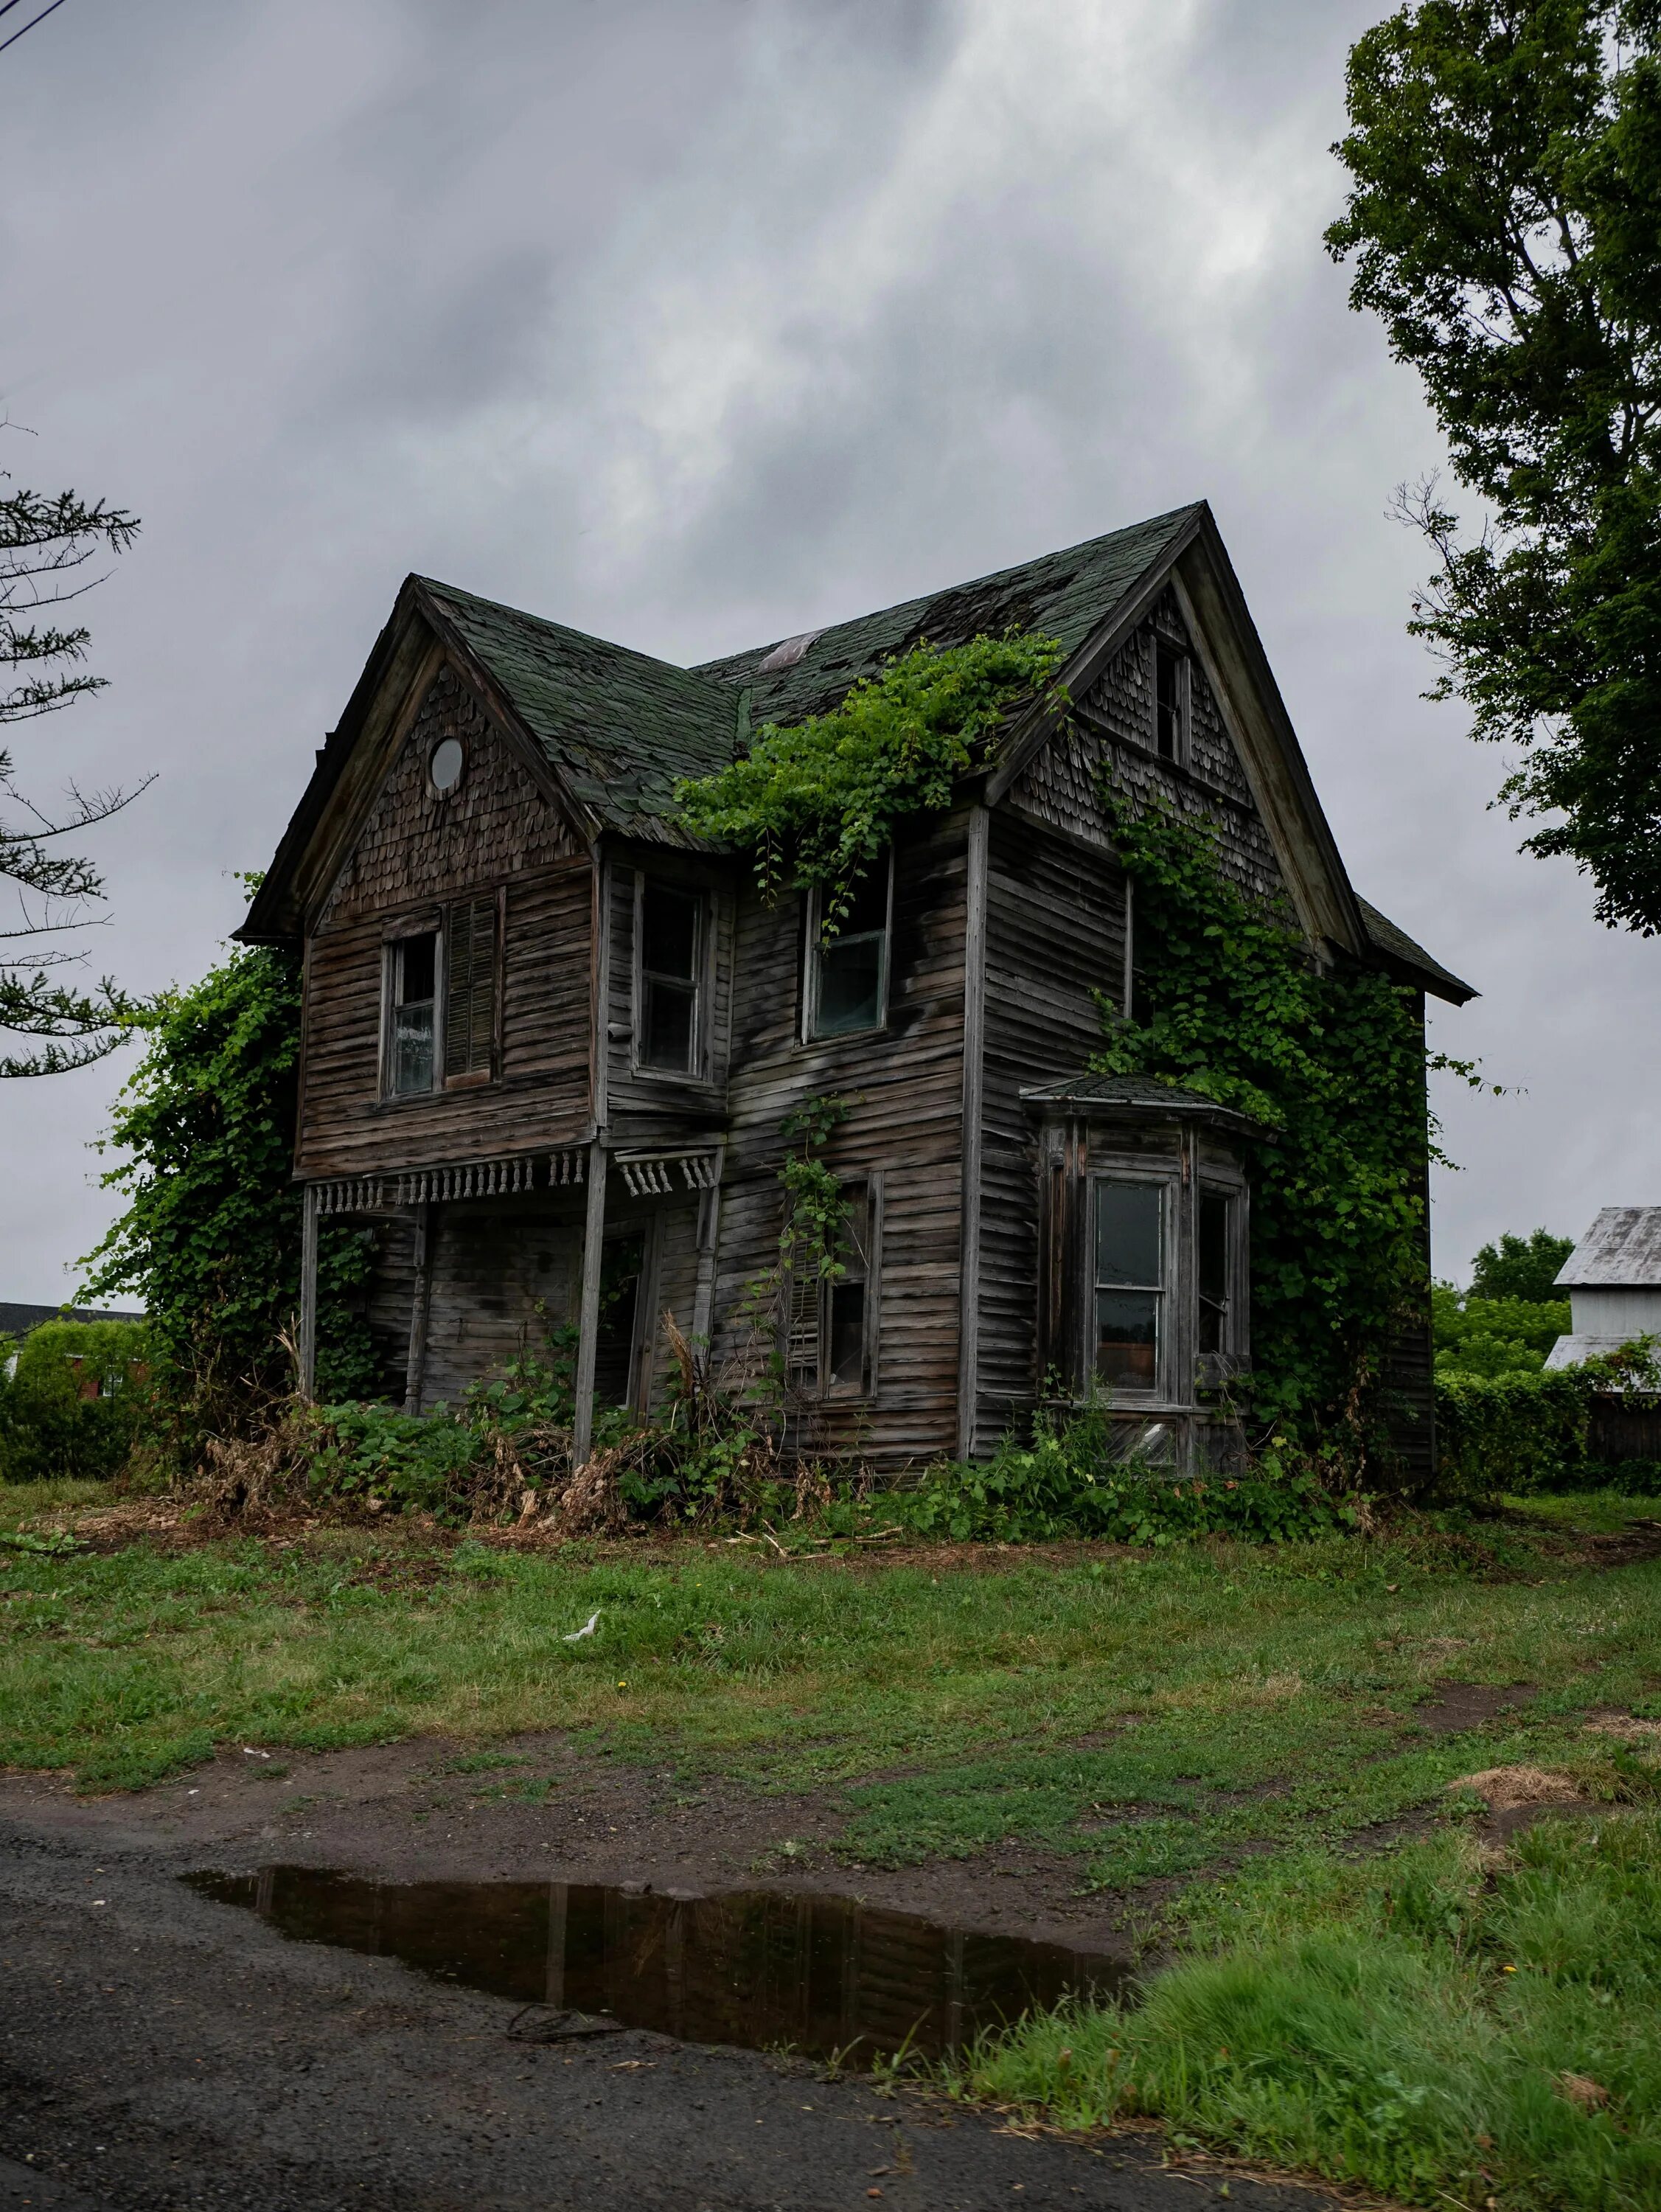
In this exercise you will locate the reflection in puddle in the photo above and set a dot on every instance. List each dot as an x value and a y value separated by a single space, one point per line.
752 1966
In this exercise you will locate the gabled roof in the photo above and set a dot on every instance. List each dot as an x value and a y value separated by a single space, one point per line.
1065 595
619 727
1400 951
1621 1250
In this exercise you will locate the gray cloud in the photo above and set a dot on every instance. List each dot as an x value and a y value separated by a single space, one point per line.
695 325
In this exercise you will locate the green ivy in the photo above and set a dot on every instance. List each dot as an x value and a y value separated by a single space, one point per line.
814 1209
814 802
1330 1064
210 1238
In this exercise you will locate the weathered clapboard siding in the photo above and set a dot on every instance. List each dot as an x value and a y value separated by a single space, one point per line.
495 1266
391 1296
1055 936
904 1084
1111 733
411 856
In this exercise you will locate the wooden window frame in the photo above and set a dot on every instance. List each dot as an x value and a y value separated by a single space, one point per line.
812 951
702 981
1174 1277
431 922
822 1390
1214 1369
1184 660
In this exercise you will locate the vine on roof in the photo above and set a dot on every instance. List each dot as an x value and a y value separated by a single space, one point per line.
816 801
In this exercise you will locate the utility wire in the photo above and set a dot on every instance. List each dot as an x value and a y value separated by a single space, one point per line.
29 26
10 4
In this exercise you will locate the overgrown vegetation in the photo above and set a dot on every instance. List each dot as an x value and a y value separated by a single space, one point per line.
1519 1433
1524 1268
210 1242
1493 1336
76 1401
1330 1066
814 802
1444 2020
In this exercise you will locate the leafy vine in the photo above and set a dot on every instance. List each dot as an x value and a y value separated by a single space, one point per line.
816 801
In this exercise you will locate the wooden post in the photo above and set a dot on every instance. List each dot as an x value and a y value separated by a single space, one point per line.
974 1033
709 1255
414 1370
588 1311
308 1294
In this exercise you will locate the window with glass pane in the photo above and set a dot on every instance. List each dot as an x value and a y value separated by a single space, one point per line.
415 1012
1169 671
1130 1283
671 929
851 970
1214 1231
844 1323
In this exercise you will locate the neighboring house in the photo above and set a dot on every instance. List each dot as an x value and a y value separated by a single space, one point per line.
17 1320
548 1040
1613 1277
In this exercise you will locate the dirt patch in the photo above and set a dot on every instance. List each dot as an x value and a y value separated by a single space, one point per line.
1625 1729
534 1807
1456 1707
1624 1547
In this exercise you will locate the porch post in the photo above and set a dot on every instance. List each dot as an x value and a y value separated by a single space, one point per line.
420 1297
308 1292
588 1311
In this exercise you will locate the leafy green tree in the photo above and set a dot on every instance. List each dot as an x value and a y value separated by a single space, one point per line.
1504 222
210 1240
45 541
1521 1267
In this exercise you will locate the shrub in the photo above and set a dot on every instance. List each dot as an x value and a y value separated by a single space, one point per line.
1522 1432
76 1401
1494 1335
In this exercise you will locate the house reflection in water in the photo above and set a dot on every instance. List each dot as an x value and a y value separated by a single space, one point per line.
756 1967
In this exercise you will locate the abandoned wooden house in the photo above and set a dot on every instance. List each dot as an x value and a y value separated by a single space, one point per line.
548 1039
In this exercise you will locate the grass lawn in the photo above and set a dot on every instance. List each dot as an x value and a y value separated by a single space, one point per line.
1247 1711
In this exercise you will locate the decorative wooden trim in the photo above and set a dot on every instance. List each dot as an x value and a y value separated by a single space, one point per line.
652 1175
588 1310
974 1051
500 1178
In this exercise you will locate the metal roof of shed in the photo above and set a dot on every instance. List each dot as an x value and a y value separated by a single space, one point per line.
1621 1250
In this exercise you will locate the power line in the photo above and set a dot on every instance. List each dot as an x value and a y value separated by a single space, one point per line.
29 26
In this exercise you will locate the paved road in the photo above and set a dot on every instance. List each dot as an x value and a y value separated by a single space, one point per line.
161 2050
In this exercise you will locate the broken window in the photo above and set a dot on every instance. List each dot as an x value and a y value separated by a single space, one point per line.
1170 701
413 1014
830 1331
469 1009
1130 1287
848 971
1214 1242
622 1265
671 948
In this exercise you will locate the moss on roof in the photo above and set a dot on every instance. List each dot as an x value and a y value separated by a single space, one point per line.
1065 595
620 727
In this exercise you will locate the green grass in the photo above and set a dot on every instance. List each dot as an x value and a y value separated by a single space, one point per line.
1249 1714
1438 2022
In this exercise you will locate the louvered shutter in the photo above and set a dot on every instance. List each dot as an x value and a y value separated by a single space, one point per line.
802 1330
470 1007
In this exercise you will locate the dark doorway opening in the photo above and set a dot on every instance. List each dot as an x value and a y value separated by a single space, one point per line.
622 1264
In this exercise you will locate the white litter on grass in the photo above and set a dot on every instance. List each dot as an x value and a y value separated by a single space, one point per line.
248 1752
587 1628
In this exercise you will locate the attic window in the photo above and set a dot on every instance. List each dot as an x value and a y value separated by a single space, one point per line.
1170 701
444 765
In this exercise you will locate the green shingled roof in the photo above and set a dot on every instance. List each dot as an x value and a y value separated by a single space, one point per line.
1396 945
620 727
1065 595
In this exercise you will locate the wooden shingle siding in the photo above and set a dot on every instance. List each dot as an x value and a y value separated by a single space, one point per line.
905 1084
1055 935
1111 732
499 839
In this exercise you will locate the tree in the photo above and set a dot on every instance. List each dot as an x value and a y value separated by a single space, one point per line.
1521 1267
1504 223
45 540
210 1239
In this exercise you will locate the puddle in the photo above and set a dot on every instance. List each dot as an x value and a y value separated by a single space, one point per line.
752 1967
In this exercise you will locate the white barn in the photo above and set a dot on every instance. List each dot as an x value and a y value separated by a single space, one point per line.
1613 1277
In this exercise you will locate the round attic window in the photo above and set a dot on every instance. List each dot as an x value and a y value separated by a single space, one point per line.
446 764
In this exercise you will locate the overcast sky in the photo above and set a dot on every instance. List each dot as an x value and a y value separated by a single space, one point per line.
693 323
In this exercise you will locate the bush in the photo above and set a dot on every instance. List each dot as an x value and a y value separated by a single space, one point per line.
1498 1434
1494 1336
49 1425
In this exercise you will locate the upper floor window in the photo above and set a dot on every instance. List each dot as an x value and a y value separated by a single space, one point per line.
1170 701
848 980
412 1057
671 940
1130 1283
